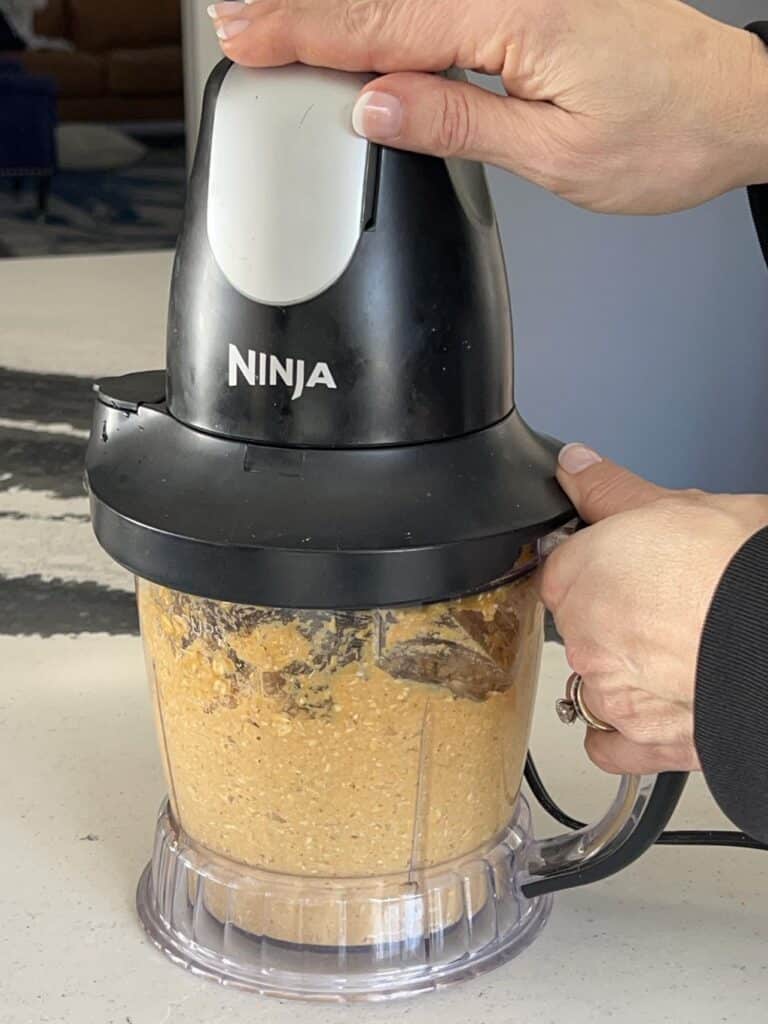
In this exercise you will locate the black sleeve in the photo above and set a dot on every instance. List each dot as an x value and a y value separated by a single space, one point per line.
758 194
758 201
731 705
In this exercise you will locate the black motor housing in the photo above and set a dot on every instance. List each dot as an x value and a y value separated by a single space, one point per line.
416 331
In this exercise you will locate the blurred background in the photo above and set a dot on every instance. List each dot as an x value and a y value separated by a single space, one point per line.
91 126
645 336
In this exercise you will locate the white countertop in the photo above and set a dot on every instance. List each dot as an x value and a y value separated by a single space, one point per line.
680 936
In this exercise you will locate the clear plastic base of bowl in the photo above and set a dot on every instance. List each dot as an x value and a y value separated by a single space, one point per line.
338 939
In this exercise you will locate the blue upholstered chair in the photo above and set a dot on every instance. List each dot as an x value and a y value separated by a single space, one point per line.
27 127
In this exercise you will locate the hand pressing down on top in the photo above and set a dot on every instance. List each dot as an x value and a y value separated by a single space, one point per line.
624 106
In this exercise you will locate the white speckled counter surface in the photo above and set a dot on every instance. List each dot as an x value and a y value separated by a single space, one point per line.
679 937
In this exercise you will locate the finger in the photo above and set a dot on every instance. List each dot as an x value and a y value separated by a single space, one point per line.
614 753
448 118
559 572
641 717
236 24
351 35
598 487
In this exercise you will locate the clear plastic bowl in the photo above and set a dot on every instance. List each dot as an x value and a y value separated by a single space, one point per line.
344 818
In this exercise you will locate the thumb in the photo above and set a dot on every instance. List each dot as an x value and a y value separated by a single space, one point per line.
598 487
432 114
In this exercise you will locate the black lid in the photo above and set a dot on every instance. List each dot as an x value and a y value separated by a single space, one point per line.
309 527
351 447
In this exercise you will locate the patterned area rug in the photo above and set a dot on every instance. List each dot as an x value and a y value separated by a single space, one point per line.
136 208
53 577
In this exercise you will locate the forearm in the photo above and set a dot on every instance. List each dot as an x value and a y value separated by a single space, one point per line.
727 95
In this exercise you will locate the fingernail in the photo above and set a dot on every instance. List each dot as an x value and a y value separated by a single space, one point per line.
377 115
225 9
230 29
574 458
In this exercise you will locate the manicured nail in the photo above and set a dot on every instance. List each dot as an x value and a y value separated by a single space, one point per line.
574 458
377 115
225 9
230 29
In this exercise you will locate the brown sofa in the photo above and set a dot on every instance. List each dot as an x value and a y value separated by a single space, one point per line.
126 62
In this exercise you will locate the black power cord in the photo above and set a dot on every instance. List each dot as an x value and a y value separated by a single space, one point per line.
684 837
